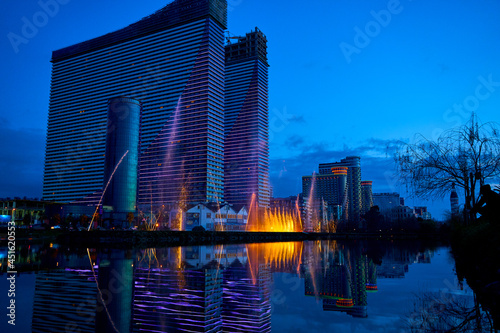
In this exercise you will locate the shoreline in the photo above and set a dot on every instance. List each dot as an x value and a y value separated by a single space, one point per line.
145 239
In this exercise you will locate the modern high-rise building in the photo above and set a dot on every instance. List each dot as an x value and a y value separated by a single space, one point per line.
173 62
332 188
366 196
246 148
353 183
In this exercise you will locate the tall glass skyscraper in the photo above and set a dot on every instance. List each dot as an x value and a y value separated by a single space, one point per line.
173 62
246 150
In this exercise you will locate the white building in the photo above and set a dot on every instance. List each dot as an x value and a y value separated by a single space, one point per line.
209 216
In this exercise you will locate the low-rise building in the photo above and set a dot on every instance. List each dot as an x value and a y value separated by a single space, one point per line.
210 216
29 211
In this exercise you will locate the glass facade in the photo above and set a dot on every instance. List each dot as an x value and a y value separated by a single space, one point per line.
353 163
332 188
173 62
246 149
122 141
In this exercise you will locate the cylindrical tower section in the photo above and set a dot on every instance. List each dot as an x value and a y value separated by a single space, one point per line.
342 191
123 133
366 196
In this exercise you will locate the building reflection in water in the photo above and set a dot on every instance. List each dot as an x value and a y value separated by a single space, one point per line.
223 288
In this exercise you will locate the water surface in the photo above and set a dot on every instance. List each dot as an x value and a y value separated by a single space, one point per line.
317 286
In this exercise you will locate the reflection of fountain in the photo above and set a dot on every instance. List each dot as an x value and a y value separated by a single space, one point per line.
105 188
283 256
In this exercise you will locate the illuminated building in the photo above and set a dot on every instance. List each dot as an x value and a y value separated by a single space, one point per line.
65 300
116 285
246 122
332 188
169 300
18 209
339 279
353 184
246 299
371 276
366 196
122 144
173 62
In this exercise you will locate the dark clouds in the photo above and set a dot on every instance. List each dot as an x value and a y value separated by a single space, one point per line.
21 164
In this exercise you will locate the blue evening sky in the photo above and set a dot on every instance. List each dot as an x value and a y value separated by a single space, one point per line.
345 77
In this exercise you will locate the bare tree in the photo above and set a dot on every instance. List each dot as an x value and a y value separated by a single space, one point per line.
442 312
466 156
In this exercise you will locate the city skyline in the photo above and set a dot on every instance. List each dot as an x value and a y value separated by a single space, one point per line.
333 92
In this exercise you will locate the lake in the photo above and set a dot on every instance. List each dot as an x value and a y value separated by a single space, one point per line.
314 286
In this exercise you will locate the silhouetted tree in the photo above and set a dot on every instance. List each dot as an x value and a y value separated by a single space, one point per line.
84 219
57 219
130 218
374 220
27 219
466 156
442 312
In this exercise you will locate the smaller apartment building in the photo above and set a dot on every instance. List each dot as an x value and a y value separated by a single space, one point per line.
211 217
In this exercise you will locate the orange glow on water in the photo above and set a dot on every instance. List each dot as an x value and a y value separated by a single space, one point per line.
281 256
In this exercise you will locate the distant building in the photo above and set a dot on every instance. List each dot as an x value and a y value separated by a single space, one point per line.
454 201
386 202
290 203
246 126
401 213
421 212
331 188
353 213
366 196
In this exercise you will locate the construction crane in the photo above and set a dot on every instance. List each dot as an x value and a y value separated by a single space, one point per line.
229 37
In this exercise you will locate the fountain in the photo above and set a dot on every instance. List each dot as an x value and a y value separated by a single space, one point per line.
105 188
